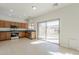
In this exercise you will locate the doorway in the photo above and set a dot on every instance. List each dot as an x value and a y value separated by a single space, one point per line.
49 31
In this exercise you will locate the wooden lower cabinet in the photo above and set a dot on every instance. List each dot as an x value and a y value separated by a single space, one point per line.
21 34
28 34
5 36
31 35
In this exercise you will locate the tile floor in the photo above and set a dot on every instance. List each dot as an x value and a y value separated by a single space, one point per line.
26 46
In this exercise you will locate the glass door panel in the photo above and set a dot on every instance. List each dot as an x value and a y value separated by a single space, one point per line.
41 30
53 31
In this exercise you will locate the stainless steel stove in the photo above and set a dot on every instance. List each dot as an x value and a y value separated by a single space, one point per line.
14 33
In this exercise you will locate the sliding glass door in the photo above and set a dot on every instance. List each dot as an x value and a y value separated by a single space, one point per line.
49 31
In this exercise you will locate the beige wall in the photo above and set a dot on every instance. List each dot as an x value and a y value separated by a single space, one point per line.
69 24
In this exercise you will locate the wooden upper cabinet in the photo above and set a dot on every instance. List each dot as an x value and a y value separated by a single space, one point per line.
27 25
23 25
15 24
19 25
7 24
1 24
4 24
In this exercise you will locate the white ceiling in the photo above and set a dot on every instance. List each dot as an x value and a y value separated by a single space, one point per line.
25 11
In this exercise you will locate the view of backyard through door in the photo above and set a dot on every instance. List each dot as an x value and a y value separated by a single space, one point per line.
49 31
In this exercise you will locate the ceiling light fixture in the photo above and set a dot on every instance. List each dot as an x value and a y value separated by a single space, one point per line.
11 10
34 7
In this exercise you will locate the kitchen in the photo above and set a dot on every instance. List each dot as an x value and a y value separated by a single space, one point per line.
9 29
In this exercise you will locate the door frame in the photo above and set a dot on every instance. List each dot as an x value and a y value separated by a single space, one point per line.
46 26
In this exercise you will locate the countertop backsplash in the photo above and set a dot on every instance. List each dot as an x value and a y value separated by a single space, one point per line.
9 29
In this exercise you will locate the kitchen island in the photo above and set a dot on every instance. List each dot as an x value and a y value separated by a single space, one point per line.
6 33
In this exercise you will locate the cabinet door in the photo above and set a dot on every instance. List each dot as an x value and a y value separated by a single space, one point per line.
33 35
7 24
5 36
16 24
28 34
8 35
2 36
19 25
21 34
23 25
1 24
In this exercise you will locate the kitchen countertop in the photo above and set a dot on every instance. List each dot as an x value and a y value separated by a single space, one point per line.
16 30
